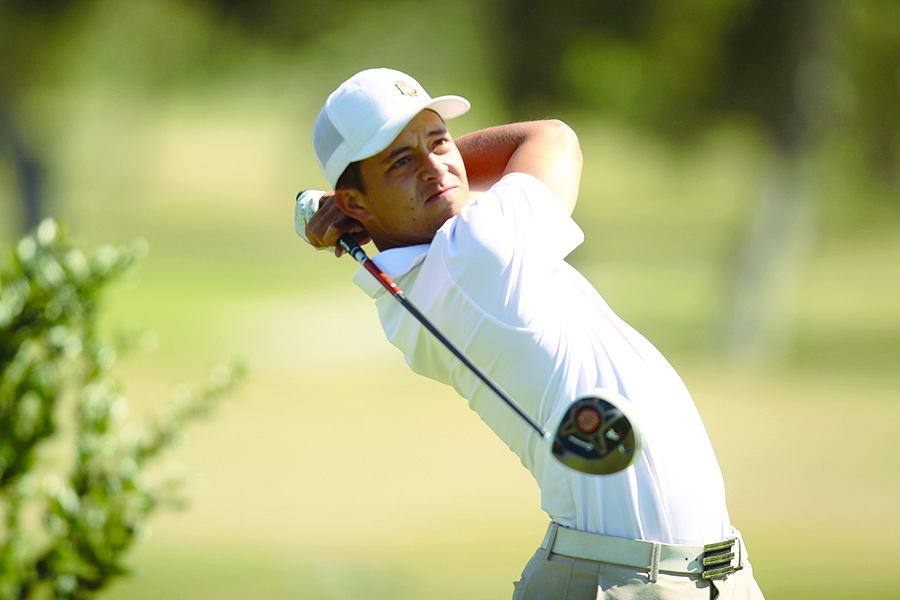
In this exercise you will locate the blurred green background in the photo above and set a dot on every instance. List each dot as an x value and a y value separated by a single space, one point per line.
740 201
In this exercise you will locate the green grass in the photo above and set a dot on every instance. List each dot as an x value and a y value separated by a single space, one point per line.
342 487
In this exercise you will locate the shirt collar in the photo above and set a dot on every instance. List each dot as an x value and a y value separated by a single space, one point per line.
394 262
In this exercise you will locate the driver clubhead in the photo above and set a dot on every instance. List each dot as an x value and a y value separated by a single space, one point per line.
598 434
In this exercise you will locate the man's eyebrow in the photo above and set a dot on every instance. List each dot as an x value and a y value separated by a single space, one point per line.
440 131
390 157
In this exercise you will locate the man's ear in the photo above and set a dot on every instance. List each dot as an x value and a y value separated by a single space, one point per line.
352 203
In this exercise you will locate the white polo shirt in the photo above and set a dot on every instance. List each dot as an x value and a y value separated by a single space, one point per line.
494 281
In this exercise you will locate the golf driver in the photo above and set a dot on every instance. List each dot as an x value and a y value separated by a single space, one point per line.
595 434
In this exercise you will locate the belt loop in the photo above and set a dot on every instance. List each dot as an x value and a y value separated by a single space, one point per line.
550 538
654 561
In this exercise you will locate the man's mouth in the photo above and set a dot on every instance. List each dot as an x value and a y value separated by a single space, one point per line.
440 194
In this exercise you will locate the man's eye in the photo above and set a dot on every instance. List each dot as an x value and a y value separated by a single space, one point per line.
400 162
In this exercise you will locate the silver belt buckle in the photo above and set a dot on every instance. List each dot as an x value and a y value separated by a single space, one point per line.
718 559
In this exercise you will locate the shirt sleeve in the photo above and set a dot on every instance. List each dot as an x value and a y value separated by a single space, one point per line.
508 242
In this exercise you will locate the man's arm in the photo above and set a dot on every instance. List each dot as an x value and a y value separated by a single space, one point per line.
548 150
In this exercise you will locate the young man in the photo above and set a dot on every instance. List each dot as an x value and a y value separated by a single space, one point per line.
490 272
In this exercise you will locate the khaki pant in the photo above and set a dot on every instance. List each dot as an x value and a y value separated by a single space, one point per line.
549 576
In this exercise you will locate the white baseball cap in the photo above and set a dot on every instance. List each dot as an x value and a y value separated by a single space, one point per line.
367 112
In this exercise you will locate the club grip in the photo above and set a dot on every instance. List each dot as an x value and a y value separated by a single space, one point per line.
347 242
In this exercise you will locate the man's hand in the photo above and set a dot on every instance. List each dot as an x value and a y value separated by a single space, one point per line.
329 223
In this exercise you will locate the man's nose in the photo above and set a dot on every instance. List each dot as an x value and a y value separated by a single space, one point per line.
433 166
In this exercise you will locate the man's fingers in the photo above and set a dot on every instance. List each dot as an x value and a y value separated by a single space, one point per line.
319 227
362 237
339 227
329 223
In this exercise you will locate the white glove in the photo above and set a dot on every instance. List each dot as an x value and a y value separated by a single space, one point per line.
307 205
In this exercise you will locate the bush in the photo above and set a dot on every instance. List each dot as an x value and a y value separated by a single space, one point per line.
77 481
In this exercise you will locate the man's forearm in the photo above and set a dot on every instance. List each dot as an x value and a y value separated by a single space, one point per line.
487 153
549 150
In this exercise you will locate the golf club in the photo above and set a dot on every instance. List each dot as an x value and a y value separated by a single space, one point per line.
595 435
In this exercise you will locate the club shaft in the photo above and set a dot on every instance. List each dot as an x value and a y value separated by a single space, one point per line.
354 249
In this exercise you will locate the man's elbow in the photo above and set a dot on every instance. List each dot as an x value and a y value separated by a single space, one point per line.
569 162
565 138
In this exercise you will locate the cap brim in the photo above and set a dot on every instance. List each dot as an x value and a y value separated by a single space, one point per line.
448 107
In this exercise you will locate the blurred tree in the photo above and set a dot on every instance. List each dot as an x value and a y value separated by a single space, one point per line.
93 483
866 67
804 72
30 33
552 53
771 52
140 45
682 68
280 23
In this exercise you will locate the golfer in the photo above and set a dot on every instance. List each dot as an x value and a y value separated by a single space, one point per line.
476 231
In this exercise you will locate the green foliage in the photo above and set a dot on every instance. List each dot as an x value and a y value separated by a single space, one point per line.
68 457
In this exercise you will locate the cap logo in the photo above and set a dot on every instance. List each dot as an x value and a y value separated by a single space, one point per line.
405 89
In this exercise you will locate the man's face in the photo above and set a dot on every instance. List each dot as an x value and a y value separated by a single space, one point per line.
414 185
